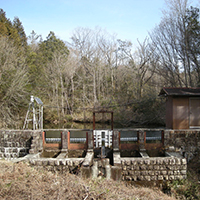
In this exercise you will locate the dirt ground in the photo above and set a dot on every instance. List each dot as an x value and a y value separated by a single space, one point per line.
21 181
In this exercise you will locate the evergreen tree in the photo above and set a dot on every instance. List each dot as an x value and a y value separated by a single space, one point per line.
34 62
51 45
20 30
14 31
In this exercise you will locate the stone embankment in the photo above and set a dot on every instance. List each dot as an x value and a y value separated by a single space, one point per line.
14 144
153 169
187 142
54 165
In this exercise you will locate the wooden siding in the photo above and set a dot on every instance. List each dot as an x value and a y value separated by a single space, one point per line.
180 113
169 112
194 112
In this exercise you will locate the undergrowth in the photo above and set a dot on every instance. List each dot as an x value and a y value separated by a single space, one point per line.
21 181
186 188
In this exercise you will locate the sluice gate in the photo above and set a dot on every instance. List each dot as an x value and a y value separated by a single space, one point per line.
135 154
103 138
120 154
106 153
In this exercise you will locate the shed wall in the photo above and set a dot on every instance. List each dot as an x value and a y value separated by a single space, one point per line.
169 112
194 112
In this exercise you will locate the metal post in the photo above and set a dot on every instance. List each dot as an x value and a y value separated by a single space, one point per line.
111 120
86 140
93 120
41 117
162 136
138 137
145 134
34 119
68 139
119 140
43 138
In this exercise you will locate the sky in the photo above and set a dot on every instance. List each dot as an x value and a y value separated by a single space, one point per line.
127 19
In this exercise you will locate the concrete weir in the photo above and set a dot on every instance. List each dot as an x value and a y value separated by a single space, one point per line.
133 159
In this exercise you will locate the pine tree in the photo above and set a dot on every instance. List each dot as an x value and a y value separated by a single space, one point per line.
14 31
20 30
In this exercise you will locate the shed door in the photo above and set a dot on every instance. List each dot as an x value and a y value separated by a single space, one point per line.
194 112
181 113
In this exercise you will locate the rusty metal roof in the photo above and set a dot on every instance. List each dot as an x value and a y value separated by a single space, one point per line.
167 91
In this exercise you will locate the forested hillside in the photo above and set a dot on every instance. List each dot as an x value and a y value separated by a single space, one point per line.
97 70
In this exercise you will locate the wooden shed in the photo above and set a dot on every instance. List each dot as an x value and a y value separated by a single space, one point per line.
182 107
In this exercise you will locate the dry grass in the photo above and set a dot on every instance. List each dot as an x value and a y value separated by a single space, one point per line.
21 181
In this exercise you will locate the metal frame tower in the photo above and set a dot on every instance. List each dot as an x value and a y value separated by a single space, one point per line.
34 114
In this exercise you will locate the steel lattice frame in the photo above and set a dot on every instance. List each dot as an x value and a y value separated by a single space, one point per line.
34 114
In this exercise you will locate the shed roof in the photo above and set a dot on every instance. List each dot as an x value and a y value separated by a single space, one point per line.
166 91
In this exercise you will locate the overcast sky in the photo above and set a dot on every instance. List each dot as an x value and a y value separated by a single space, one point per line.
128 19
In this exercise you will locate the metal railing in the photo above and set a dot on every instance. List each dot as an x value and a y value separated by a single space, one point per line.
154 138
58 140
127 139
53 140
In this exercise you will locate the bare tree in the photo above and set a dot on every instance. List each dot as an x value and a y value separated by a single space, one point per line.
97 60
13 82
142 61
172 41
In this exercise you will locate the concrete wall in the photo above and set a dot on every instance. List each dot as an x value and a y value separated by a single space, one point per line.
153 169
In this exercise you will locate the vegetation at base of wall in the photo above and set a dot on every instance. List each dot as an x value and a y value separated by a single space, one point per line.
188 188
97 71
21 181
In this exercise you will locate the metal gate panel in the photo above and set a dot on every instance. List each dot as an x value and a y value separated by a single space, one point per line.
108 138
103 138
97 138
